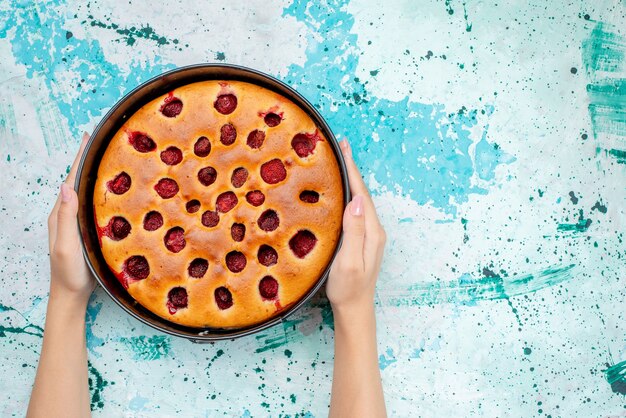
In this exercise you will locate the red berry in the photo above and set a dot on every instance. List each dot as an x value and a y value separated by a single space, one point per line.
255 197
171 156
193 206
152 221
309 196
237 232
239 177
255 139
268 287
228 134
302 243
166 188
235 261
198 268
223 298
120 184
172 108
272 119
210 218
226 104
202 147
177 299
137 267
268 221
273 171
175 239
304 144
267 255
120 228
207 176
226 201
141 142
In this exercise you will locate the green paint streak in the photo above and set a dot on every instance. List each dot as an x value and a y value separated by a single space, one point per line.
619 154
468 25
132 34
616 376
581 226
607 106
148 348
464 291
96 386
289 330
449 8
603 52
28 329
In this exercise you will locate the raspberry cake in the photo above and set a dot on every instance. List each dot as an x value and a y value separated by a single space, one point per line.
218 205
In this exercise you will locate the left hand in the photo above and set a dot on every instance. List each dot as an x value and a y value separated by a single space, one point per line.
70 276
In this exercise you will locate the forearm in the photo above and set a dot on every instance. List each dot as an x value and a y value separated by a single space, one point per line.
61 386
357 387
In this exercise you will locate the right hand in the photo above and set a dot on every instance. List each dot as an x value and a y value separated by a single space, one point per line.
352 280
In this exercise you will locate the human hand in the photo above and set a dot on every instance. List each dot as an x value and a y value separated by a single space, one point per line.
352 280
69 275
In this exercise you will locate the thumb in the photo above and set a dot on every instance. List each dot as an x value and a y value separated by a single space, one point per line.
67 229
354 231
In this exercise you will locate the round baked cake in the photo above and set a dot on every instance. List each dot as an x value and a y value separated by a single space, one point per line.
219 204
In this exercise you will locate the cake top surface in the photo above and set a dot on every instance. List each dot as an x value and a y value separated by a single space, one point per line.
218 204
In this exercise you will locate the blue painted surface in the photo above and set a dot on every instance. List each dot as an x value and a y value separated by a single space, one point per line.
491 138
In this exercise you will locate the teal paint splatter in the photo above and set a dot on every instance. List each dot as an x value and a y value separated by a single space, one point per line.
131 34
620 155
93 342
607 106
449 8
436 166
386 359
599 207
527 351
219 353
604 50
468 291
468 25
148 348
28 329
96 385
488 156
97 83
581 226
603 53
616 376
220 56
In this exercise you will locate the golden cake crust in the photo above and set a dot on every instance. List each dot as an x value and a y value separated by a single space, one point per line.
318 172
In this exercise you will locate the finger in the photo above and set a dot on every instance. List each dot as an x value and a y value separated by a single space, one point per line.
357 185
71 177
67 229
354 233
52 222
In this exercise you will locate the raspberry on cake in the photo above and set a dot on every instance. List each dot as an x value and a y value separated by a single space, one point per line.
218 205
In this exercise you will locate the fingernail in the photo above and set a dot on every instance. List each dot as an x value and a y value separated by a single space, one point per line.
345 148
356 206
85 136
66 195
